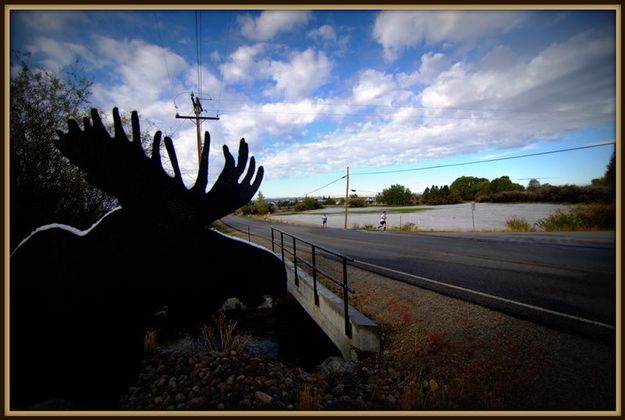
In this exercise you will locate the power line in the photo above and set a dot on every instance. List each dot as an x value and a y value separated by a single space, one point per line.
198 50
160 38
426 108
328 184
465 163
486 160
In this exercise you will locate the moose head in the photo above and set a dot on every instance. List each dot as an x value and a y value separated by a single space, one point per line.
89 297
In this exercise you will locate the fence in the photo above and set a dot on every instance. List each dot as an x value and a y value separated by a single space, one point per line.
315 269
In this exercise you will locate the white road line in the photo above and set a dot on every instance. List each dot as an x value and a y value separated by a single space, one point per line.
513 302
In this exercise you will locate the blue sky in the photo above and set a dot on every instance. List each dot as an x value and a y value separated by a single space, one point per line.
313 92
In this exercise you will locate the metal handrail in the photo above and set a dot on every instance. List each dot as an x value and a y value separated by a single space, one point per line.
344 259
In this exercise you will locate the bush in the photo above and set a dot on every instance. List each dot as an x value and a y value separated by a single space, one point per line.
560 221
355 201
583 217
406 227
220 335
518 224
596 215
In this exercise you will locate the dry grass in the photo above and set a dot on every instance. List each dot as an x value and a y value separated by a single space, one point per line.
306 400
150 341
220 335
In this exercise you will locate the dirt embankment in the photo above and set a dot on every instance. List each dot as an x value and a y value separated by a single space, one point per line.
477 358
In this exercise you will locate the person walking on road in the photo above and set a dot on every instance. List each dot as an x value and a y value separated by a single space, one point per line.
383 220
324 220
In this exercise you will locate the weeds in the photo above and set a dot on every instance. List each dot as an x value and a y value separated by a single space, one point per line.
220 335
305 399
150 342
406 227
560 221
436 343
519 224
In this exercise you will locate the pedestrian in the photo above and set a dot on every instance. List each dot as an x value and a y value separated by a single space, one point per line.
324 219
383 220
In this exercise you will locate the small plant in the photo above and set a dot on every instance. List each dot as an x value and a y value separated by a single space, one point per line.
436 343
220 335
596 215
412 395
518 224
150 342
408 227
560 221
305 399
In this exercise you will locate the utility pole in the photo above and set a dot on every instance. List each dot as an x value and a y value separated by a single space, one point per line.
197 109
346 197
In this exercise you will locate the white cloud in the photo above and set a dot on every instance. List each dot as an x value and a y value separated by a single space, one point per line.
432 64
302 75
59 54
49 20
399 30
293 79
242 65
272 22
324 34
283 119
371 86
573 76
501 102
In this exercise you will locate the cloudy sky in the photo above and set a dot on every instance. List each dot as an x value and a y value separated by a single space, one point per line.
383 92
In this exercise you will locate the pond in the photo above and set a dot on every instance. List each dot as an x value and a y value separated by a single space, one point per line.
456 217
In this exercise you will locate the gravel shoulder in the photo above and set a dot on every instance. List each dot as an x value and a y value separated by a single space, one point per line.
479 358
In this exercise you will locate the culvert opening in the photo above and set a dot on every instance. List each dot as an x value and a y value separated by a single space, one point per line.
285 333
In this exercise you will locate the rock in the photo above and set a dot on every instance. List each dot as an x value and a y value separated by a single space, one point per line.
263 398
231 304
220 406
336 365
391 400
245 403
180 397
267 304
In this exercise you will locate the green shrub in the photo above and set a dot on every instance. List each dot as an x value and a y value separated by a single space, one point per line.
406 227
560 221
596 215
518 224
583 217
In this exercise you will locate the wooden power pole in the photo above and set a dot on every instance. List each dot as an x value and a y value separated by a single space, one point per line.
197 109
346 198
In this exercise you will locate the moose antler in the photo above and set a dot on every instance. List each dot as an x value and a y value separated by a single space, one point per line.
121 168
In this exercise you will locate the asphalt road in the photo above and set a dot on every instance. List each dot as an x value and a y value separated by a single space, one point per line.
566 279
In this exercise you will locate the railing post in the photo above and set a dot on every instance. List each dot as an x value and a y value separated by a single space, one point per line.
273 247
348 325
314 270
249 236
282 245
295 261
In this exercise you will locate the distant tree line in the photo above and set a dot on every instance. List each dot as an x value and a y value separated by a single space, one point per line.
503 190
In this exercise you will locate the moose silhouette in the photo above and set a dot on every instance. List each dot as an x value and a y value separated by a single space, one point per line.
81 301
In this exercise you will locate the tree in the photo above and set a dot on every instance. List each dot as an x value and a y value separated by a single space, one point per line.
329 201
467 187
533 185
609 178
261 204
396 195
504 183
45 187
357 201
